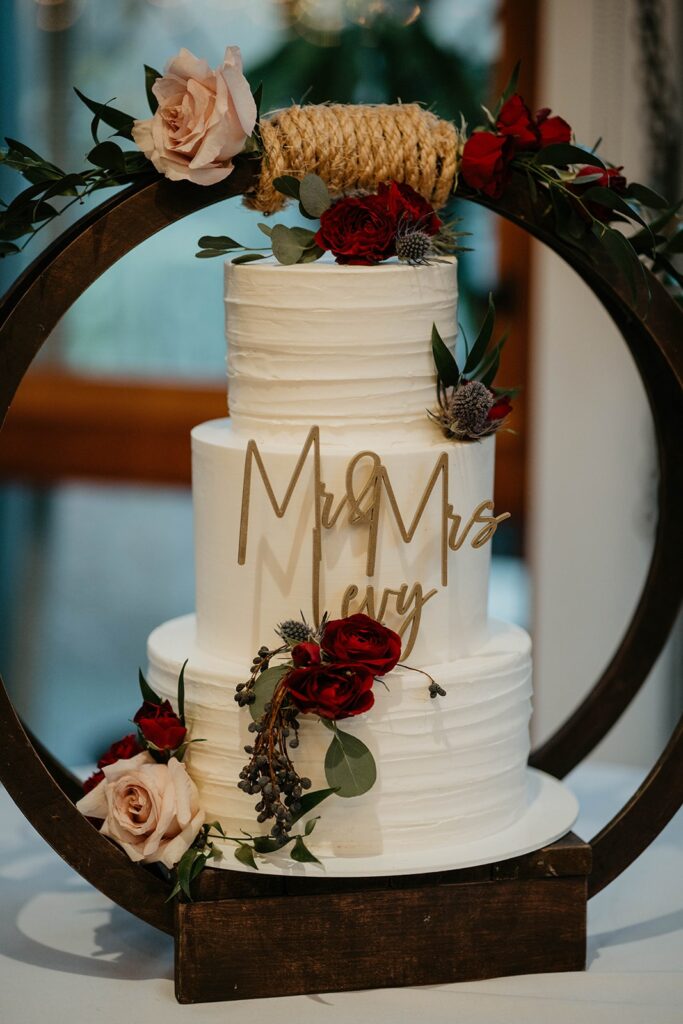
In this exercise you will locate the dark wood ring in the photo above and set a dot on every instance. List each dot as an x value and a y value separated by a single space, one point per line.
81 254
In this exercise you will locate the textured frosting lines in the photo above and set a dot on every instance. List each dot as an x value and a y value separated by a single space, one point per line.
238 606
447 772
343 347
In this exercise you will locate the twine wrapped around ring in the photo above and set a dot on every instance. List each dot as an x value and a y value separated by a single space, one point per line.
356 148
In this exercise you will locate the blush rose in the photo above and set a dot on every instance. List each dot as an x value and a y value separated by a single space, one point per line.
203 119
151 810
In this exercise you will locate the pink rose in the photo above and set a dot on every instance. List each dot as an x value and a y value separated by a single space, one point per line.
203 119
151 810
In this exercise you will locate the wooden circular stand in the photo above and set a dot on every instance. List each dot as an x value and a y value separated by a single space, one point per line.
519 916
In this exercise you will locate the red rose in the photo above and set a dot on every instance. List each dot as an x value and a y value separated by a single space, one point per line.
552 129
362 640
501 408
408 207
515 121
122 750
306 654
331 690
160 725
358 230
484 165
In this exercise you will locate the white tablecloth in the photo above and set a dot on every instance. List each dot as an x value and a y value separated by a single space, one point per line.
67 955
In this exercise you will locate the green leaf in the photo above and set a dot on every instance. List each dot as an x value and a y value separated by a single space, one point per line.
208 254
249 257
304 236
288 185
264 844
286 249
560 154
349 766
310 800
611 199
310 825
311 254
511 87
646 196
150 78
444 360
108 155
122 123
265 228
146 690
301 853
314 195
245 855
258 99
184 870
218 242
621 255
265 687
8 248
478 350
181 692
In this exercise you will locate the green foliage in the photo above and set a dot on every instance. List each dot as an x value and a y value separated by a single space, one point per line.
150 78
350 768
265 687
146 690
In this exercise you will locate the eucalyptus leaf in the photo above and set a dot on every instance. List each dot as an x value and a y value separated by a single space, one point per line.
181 692
311 254
146 690
245 855
310 800
304 236
304 213
444 360
122 123
287 185
108 155
265 687
561 154
286 249
218 242
646 196
248 257
301 853
349 766
314 195
478 350
151 76
209 254
265 228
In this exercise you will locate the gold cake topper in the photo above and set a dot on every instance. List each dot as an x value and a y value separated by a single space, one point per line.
363 506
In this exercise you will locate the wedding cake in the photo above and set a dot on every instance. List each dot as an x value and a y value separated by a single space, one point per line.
330 374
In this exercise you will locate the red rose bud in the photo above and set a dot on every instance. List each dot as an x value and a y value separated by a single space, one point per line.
331 691
484 165
92 781
305 654
610 177
358 230
408 207
160 725
122 750
515 121
362 640
501 408
552 129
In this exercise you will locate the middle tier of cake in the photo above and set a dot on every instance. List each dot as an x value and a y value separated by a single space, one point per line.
450 770
401 532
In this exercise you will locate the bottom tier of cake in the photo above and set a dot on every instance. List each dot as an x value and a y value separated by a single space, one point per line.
449 770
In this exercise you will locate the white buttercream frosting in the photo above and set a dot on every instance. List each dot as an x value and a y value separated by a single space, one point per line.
345 347
449 770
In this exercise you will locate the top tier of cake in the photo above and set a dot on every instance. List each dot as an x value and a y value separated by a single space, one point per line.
343 347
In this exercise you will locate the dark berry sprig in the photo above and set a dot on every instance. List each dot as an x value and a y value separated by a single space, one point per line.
270 773
244 692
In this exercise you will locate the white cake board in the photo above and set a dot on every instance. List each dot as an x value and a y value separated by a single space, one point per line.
550 813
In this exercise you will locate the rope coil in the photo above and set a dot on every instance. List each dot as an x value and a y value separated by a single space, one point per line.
354 148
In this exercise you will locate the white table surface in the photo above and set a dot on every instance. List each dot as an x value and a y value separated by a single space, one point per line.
67 954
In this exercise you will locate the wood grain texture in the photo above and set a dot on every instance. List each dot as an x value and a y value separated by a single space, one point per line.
252 948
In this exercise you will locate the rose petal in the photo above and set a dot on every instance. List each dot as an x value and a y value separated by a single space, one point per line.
240 92
94 803
170 852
